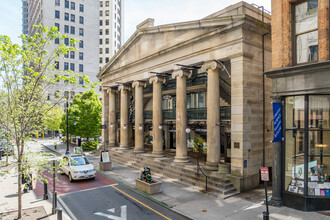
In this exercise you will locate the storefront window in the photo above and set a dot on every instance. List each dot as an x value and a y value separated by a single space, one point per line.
318 143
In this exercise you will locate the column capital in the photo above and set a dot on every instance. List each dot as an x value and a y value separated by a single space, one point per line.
276 98
112 90
211 65
181 72
155 79
123 87
138 83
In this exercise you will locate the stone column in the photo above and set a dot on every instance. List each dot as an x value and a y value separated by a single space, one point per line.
276 171
124 90
112 117
213 115
139 141
157 115
105 120
181 114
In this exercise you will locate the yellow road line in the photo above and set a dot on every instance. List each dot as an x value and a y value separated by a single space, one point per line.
141 203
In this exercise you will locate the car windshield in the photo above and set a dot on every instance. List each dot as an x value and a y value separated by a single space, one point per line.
78 161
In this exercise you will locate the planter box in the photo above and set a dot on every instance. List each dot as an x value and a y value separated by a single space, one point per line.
105 166
149 188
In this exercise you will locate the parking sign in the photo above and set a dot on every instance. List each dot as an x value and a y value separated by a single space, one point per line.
264 174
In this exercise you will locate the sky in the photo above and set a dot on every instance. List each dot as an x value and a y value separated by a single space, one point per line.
136 11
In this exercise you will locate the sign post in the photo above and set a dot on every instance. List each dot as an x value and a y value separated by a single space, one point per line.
265 177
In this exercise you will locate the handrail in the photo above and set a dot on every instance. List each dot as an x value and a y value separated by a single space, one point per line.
199 168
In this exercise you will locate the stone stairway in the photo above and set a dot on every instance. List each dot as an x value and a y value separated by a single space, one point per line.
218 183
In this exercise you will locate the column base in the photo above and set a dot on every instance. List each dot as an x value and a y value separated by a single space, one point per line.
112 144
276 203
139 151
125 147
158 154
211 166
181 159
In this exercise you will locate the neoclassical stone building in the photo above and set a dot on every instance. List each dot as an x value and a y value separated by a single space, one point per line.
171 85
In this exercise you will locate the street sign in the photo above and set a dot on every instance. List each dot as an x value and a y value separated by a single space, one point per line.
264 174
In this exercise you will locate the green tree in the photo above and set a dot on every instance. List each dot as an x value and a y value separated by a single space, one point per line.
27 74
86 111
53 119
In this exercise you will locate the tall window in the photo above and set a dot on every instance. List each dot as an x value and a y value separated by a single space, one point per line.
73 18
81 80
107 3
57 2
306 31
57 14
81 8
195 100
107 22
106 50
81 20
107 40
58 26
72 31
81 44
100 50
73 6
72 66
72 54
81 32
66 4
66 29
66 65
57 41
101 41
81 68
66 41
57 65
66 16
81 56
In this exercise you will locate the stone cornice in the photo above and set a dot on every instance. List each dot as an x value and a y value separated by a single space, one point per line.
155 79
312 68
139 83
181 72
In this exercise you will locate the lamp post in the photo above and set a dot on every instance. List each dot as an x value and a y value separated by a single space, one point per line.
67 127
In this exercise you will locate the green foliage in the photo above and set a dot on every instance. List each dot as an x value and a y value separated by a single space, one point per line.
199 145
89 145
53 119
64 139
86 111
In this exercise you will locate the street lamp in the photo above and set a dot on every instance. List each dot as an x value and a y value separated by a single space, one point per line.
67 126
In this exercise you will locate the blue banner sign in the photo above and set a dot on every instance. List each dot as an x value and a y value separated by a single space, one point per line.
277 121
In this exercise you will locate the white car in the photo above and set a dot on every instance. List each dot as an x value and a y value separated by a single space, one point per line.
78 167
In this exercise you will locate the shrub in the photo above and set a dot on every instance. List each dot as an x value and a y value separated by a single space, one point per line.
89 145
64 139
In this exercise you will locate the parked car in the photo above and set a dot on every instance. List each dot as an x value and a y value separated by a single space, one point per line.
3 147
78 167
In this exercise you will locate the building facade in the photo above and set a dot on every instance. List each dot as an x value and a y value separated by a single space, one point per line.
111 29
172 85
300 79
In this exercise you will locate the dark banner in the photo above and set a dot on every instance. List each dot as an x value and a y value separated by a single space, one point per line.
277 121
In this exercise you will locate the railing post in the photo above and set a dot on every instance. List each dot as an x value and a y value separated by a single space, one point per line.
59 214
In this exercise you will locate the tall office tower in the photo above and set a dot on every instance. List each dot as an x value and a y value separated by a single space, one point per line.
78 19
111 29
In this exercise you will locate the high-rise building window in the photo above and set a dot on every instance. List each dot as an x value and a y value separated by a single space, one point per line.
72 54
66 55
81 8
107 31
66 28
106 50
107 59
101 41
73 6
101 32
107 40
72 66
107 3
66 4
101 4
66 41
57 65
57 41
81 32
81 56
81 68
72 30
73 18
58 26
101 13
81 20
101 60
81 80
107 13
306 31
81 44
66 65
57 14
66 16
101 22
107 22
101 51
57 2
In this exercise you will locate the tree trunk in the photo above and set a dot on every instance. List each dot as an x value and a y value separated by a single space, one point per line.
19 187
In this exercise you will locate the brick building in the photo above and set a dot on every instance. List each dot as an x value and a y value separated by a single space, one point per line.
301 82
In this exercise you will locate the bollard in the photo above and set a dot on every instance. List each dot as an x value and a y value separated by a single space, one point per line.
59 214
0 154
45 191
265 216
54 202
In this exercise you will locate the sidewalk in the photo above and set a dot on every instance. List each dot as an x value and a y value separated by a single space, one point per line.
32 202
189 201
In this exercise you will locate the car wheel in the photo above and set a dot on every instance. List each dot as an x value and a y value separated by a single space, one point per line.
93 178
70 178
